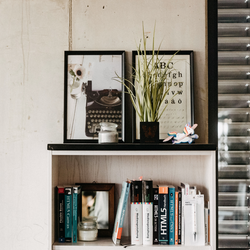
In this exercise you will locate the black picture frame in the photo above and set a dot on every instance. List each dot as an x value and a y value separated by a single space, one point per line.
95 97
108 190
182 60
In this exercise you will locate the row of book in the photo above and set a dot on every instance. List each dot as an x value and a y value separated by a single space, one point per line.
159 215
165 214
68 214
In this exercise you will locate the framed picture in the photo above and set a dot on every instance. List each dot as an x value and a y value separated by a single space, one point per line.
98 200
92 94
180 107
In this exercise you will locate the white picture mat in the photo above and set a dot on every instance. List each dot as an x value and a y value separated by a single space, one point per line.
177 114
101 70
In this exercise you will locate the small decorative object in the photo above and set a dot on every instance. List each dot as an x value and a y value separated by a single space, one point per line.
187 135
149 132
108 133
88 229
98 200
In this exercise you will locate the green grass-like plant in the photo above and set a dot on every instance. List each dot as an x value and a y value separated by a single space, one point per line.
149 83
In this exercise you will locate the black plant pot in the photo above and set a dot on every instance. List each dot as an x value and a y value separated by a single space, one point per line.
149 132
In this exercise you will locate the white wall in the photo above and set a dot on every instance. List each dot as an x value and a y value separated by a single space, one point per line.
34 35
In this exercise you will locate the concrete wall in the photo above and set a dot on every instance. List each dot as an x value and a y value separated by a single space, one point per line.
34 36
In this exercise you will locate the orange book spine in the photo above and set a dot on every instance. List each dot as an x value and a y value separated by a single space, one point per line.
176 218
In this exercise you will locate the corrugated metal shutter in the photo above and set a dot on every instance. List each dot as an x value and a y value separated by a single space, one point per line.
233 123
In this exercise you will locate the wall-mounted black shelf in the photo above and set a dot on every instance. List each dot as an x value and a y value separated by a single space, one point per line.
132 146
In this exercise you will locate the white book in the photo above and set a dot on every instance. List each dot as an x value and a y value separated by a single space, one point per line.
147 223
192 190
194 220
147 209
136 223
136 213
186 187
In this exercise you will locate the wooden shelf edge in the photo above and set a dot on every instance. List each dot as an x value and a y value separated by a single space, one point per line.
106 243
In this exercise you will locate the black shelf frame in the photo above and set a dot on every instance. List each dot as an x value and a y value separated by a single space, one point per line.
131 147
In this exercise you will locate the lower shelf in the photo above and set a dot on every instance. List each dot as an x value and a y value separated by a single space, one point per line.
106 243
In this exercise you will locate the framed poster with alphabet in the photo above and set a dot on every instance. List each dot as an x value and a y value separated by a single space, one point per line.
179 100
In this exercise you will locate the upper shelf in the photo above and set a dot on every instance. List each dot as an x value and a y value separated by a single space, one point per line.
131 147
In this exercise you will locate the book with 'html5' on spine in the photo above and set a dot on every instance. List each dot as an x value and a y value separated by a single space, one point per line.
163 215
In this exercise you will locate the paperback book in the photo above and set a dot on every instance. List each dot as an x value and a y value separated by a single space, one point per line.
176 214
136 213
171 191
76 212
194 220
60 225
179 216
147 204
68 214
163 215
120 214
155 215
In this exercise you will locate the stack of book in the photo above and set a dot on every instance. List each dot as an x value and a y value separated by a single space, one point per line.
181 216
168 215
141 200
67 212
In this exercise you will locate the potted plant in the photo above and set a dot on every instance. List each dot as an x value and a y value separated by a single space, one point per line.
148 89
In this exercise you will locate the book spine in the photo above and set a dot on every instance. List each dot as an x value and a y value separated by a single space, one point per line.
118 214
136 223
60 213
147 198
171 221
75 213
79 205
176 219
194 220
182 217
116 237
206 225
123 211
155 215
136 213
179 216
68 214
186 188
163 216
208 228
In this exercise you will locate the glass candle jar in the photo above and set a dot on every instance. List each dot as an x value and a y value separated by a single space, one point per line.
87 229
108 133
